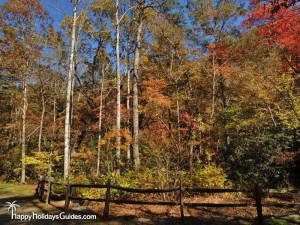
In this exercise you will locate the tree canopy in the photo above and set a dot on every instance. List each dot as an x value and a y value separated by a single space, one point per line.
208 90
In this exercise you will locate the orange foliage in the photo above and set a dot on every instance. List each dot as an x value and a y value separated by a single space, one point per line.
153 93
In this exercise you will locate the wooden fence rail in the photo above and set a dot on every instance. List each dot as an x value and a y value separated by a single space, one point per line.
40 190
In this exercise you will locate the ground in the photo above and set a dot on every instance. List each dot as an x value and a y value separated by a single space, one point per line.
143 215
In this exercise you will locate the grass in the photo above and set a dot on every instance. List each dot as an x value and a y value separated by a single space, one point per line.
281 221
19 190
272 221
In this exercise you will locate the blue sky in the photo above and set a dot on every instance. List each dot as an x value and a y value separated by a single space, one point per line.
60 8
57 9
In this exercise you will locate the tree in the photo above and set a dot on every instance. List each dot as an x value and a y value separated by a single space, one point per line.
118 119
67 148
140 13
215 21
279 22
21 30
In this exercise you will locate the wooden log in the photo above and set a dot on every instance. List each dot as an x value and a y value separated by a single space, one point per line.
143 191
257 195
282 205
107 200
134 202
48 199
89 185
68 194
219 205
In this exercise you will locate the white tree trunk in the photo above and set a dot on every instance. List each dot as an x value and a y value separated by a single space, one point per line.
41 121
69 95
54 117
23 136
118 116
128 105
135 110
100 125
214 77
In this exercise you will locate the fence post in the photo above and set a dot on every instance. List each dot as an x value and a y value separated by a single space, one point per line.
257 195
42 187
49 190
181 202
107 200
68 194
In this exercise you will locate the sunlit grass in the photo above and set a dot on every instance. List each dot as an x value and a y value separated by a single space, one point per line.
272 221
20 190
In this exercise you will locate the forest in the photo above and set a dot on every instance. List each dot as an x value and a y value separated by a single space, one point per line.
150 92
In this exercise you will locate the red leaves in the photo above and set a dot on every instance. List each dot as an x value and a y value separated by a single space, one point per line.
188 123
284 30
221 53
220 49
279 23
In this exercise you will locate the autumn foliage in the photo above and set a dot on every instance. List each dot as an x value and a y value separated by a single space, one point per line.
215 86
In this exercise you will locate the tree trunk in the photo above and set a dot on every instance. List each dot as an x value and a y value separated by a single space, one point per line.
69 95
54 135
42 121
10 133
128 106
213 104
135 110
118 116
23 137
100 125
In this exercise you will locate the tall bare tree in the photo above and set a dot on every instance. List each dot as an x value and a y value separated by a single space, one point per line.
135 111
67 147
23 136
118 117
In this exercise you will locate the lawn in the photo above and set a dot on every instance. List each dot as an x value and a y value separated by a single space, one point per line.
16 190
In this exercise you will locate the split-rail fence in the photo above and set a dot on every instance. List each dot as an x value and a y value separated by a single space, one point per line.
256 191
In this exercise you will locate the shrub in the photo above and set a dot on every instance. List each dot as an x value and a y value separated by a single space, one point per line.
210 176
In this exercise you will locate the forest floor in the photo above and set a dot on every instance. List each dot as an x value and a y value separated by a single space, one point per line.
139 215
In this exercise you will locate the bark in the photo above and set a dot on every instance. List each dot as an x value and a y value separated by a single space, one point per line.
135 111
213 89
100 126
23 135
118 116
128 106
42 120
69 95
54 135
10 133
178 112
